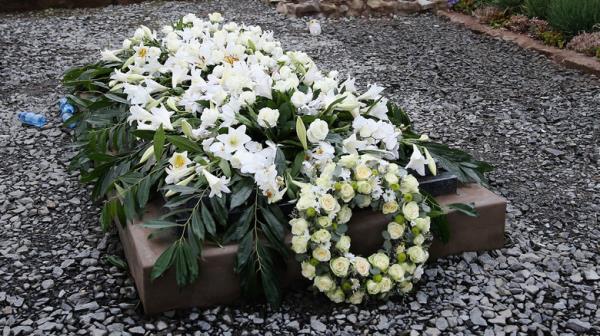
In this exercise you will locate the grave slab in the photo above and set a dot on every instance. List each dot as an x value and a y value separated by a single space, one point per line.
218 284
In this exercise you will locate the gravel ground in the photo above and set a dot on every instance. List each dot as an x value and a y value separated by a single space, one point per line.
535 121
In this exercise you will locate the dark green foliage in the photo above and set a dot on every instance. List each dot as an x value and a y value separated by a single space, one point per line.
574 16
553 38
537 8
510 5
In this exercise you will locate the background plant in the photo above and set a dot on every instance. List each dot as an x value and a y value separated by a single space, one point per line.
572 17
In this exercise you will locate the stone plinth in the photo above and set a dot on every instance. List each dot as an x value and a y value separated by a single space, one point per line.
218 284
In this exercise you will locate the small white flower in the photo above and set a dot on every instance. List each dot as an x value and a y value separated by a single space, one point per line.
215 17
317 131
234 139
267 117
314 27
217 185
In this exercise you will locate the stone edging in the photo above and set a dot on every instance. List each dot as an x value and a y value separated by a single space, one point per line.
355 7
568 58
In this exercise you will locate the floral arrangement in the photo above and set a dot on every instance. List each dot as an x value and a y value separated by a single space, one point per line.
231 131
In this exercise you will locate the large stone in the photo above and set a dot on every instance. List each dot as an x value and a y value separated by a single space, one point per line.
218 284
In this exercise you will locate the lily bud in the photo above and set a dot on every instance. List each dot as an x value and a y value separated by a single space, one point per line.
184 182
172 103
430 162
147 154
187 129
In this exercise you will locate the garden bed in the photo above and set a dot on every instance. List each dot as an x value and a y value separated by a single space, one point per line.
217 282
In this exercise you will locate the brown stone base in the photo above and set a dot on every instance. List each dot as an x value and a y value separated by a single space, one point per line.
218 284
568 58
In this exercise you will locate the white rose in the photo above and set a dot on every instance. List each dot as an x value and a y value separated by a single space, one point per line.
410 210
380 261
391 178
299 244
362 201
344 215
389 207
317 131
395 230
336 295
308 270
406 286
373 287
419 240
267 117
417 254
361 266
349 161
248 97
362 172
408 267
343 244
356 297
393 168
300 99
324 221
347 192
324 283
423 224
321 254
364 187
299 226
385 284
409 185
305 202
321 236
396 272
340 266
215 17
329 203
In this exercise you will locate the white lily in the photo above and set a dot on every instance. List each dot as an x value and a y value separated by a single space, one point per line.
417 161
111 55
217 185
234 139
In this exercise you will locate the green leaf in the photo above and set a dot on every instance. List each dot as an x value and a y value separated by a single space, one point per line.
268 276
159 142
280 162
242 192
297 165
116 98
184 144
143 192
301 132
209 222
115 261
224 165
163 262
244 251
467 209
197 226
105 216
159 224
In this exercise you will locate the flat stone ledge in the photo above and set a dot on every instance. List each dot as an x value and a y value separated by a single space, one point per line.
567 58
337 8
218 284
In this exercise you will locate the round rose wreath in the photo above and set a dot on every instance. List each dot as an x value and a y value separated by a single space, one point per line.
324 209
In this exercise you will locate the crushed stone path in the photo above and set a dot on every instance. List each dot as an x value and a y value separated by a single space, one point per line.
536 122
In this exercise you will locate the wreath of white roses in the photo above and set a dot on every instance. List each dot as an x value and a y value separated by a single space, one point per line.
324 209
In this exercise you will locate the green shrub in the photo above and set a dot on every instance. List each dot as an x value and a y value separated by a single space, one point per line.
574 16
553 38
511 5
537 8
